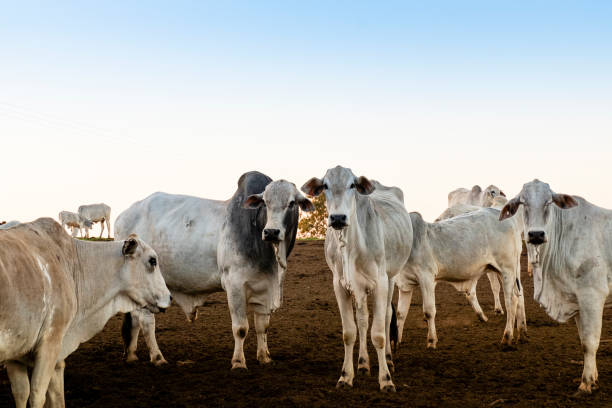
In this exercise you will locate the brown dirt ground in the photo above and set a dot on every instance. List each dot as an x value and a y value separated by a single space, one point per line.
467 370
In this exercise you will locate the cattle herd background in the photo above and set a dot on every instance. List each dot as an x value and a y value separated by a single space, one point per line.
237 272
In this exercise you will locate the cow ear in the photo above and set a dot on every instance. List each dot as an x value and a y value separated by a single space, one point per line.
509 209
253 201
129 246
304 203
313 187
564 201
502 193
364 186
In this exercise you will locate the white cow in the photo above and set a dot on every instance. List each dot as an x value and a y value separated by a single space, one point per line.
240 245
475 196
56 293
572 274
74 221
96 213
367 245
459 251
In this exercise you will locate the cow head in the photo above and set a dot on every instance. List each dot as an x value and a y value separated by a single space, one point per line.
489 195
341 187
87 224
536 198
141 277
280 198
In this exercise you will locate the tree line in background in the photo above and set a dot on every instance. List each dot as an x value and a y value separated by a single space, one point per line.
314 223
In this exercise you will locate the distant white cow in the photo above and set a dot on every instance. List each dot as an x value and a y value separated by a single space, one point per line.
10 224
56 293
240 245
475 196
459 251
96 213
367 245
74 221
572 274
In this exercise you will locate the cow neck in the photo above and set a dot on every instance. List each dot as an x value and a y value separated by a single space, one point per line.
97 284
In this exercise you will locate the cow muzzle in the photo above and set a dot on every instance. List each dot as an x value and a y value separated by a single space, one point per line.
272 235
536 237
338 221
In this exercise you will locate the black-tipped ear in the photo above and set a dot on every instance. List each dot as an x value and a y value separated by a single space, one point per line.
253 201
129 246
510 209
364 186
564 201
502 193
313 187
305 204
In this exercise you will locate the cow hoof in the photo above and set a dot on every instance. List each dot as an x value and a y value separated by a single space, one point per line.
483 318
158 360
431 345
388 388
343 385
238 365
264 360
363 370
499 312
507 346
131 358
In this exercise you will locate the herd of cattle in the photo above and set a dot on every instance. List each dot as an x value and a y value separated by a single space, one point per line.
57 292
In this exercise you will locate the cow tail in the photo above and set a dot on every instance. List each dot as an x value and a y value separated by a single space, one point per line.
393 331
126 331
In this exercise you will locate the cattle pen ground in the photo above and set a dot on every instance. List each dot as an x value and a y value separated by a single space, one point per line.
468 368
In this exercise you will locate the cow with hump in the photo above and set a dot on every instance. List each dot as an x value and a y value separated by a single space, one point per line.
367 245
572 273
57 292
240 245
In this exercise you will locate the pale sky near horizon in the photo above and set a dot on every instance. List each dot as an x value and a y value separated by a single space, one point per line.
109 102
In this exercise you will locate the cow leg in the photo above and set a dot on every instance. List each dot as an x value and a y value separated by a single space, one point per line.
589 321
378 332
55 393
147 323
20 383
511 300
108 228
428 292
130 331
44 368
388 351
262 322
101 228
521 323
363 316
403 305
495 287
236 300
349 332
471 297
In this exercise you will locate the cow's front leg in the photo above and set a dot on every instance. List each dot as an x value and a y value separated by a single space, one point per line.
521 317
403 306
101 228
589 321
236 299
428 292
349 332
20 383
471 297
363 364
378 333
55 393
147 323
44 368
262 322
495 287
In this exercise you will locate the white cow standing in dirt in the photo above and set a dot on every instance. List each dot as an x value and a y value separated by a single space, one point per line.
96 213
459 251
367 245
572 274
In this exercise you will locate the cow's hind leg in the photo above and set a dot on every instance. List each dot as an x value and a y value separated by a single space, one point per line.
108 227
349 332
129 332
236 300
44 368
589 322
363 316
101 227
495 287
262 322
20 383
511 299
471 297
55 393
379 330
390 332
403 305
428 292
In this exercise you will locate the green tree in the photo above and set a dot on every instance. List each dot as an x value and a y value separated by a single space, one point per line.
314 223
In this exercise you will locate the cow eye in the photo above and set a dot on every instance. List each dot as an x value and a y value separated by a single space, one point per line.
325 186
353 185
493 193
153 262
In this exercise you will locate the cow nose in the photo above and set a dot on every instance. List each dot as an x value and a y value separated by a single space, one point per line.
337 221
271 234
536 237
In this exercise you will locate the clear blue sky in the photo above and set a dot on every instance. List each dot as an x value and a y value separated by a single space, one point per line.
112 101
